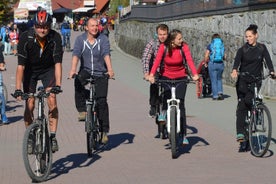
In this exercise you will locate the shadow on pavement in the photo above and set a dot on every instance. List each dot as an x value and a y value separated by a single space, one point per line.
117 139
64 165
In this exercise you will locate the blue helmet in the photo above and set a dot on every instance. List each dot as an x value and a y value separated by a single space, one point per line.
103 21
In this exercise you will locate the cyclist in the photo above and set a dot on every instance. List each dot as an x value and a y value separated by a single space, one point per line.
148 57
174 68
65 31
104 29
93 50
249 59
40 58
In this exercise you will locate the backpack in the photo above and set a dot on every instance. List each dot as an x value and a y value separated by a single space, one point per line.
217 50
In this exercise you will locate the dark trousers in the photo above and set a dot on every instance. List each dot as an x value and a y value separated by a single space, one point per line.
154 90
81 94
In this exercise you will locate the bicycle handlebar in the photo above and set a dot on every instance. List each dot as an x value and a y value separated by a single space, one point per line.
42 93
173 81
257 78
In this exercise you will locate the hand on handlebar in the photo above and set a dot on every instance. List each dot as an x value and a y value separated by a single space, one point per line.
151 79
56 90
195 77
17 94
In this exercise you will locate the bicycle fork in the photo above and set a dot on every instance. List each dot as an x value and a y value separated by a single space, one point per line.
173 102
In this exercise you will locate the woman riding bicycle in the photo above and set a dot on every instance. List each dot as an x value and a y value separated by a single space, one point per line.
174 68
248 60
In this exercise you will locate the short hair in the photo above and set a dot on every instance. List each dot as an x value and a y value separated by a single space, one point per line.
163 27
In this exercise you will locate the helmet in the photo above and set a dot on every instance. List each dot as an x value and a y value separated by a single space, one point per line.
103 21
42 18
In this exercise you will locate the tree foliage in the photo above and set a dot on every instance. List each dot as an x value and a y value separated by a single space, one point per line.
114 4
5 11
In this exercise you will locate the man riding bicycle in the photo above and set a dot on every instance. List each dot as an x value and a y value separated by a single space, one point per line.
40 58
65 32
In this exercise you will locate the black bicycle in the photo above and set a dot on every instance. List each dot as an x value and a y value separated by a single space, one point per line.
92 126
37 152
258 121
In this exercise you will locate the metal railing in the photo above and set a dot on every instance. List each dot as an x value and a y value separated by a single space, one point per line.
179 9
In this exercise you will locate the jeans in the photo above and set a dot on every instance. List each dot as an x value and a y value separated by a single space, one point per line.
64 41
215 72
2 100
7 48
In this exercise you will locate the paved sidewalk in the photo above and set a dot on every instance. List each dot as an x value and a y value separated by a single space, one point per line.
133 154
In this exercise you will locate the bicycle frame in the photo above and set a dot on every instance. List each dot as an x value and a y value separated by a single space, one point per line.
91 101
173 102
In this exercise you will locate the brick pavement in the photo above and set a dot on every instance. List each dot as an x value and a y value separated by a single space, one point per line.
133 155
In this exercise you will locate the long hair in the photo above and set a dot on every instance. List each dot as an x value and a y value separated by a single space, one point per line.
171 37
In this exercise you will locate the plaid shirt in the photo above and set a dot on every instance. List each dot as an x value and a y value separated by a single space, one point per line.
149 55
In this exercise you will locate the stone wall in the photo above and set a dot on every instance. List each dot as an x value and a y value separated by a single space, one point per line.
131 36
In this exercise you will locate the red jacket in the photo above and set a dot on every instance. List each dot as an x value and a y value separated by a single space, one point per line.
173 65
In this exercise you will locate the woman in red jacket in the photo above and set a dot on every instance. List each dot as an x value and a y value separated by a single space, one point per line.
174 68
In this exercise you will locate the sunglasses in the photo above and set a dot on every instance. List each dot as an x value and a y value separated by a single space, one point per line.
42 27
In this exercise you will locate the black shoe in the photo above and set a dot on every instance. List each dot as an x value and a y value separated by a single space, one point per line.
54 144
152 111
244 146
220 97
215 98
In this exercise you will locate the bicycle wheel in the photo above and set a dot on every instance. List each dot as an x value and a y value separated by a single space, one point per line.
260 131
173 132
38 159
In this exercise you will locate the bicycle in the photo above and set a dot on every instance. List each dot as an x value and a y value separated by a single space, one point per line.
38 159
92 126
173 125
258 122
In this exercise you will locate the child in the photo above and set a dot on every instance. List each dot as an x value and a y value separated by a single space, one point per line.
2 97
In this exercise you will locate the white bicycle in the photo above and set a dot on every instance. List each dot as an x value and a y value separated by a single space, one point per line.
173 114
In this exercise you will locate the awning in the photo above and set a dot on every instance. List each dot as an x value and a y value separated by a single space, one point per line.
83 9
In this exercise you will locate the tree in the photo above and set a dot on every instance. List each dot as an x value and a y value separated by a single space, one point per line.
114 4
5 10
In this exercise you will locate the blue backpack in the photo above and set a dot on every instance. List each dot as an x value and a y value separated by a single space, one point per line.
217 50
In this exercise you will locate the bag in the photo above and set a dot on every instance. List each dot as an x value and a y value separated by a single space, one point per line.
82 76
217 50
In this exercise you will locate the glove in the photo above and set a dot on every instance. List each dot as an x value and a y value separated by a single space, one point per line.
17 93
56 90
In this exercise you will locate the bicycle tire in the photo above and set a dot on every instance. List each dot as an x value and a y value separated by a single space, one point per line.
260 130
38 164
173 131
